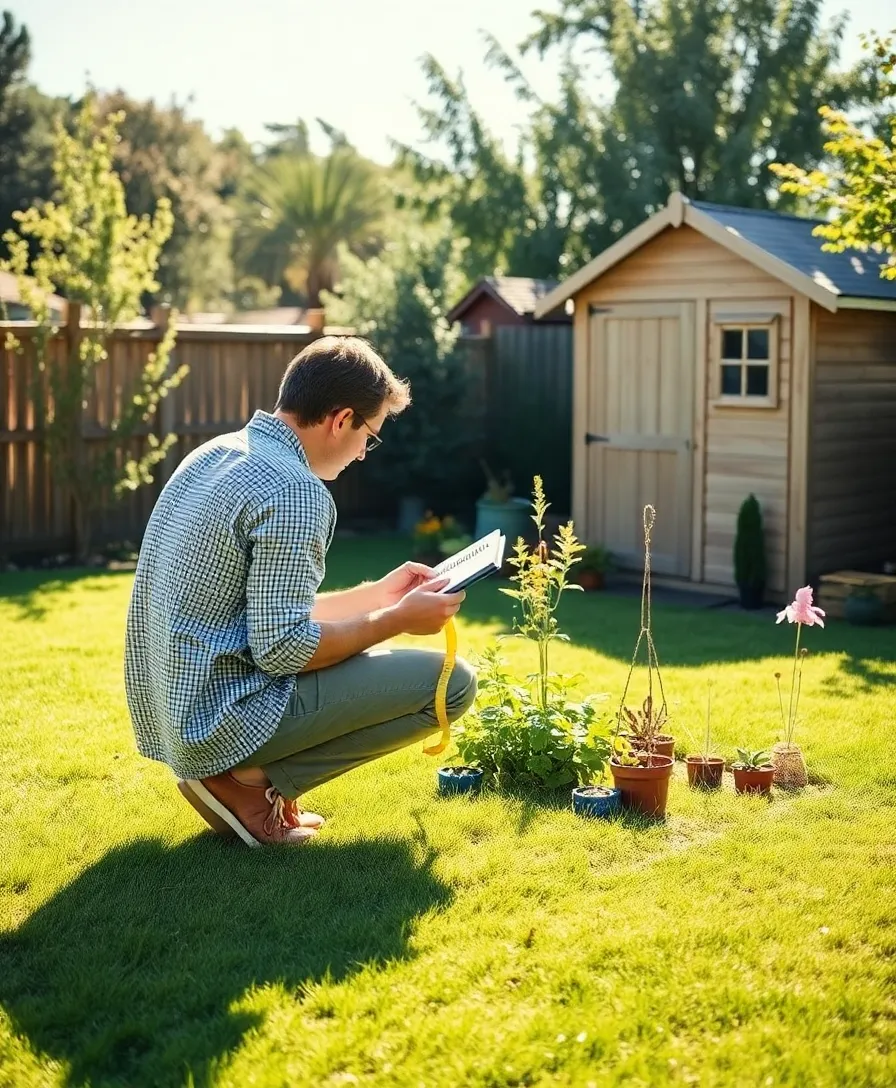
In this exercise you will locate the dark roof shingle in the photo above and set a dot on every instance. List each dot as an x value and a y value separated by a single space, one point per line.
790 239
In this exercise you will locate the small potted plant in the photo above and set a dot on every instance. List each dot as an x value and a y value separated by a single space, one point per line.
594 565
640 772
705 770
749 555
645 725
753 773
787 758
459 779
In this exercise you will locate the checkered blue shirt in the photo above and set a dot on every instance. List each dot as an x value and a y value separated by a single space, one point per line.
220 621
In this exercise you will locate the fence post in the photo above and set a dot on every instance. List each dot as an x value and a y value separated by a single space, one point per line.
160 315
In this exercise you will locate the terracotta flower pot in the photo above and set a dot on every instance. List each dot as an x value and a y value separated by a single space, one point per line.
590 580
705 774
789 766
642 788
663 743
757 780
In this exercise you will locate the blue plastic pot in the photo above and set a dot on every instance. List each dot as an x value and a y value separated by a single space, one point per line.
459 780
512 518
595 802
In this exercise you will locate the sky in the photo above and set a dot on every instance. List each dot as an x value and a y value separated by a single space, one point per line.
355 63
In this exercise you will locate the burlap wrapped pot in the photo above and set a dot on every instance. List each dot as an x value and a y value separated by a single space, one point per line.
790 767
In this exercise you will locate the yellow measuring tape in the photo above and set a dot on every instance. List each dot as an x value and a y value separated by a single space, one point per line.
442 691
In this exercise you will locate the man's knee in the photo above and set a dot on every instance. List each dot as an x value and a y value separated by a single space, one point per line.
461 689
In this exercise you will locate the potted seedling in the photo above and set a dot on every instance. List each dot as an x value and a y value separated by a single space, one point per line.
640 772
645 725
593 567
787 758
705 770
753 773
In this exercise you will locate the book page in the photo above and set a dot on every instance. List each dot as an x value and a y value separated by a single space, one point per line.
480 555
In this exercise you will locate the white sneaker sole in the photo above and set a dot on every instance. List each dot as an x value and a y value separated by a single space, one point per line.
215 814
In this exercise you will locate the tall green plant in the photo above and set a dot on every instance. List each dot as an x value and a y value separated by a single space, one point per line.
91 251
541 579
750 566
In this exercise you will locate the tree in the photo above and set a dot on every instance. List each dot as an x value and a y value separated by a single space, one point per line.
90 250
856 186
15 54
299 209
708 92
530 215
161 153
26 166
398 300
26 118
705 94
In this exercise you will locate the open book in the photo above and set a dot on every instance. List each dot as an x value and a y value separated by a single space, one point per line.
482 558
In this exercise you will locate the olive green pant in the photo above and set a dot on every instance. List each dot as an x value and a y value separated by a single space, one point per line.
351 713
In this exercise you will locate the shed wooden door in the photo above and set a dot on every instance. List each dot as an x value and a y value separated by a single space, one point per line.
640 422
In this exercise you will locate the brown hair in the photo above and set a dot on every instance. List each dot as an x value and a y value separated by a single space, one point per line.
338 372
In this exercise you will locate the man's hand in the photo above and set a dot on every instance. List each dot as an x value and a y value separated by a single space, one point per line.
425 611
395 585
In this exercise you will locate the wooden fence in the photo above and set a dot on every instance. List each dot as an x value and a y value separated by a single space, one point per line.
519 382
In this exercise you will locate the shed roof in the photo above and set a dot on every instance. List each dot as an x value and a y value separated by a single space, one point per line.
851 274
781 245
520 293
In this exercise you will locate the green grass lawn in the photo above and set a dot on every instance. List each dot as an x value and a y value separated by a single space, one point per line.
423 942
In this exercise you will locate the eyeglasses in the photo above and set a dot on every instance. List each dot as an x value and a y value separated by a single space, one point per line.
373 439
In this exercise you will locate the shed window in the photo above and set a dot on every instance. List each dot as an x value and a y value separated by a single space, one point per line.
746 364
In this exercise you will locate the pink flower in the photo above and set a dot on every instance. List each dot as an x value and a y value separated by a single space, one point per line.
802 610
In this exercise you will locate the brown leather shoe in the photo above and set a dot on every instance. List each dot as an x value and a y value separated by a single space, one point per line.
258 815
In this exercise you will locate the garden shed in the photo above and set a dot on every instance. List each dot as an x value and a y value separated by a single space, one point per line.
720 351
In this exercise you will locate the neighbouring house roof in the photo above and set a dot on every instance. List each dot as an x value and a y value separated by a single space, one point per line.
519 293
277 315
784 246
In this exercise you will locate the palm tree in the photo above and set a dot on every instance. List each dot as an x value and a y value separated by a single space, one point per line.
301 208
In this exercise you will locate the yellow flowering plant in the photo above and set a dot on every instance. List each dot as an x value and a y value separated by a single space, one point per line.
436 537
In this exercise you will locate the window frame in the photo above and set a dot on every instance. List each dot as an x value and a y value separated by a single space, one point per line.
735 322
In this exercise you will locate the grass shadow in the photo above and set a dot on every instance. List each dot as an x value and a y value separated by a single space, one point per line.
130 973
31 591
